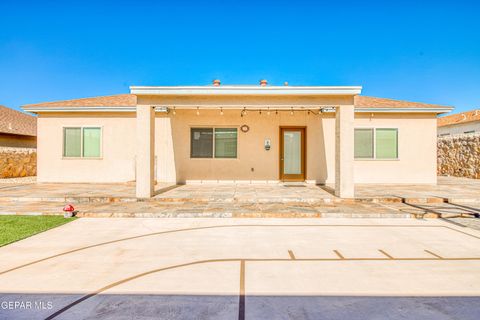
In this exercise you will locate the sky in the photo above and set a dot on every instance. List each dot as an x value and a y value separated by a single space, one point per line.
426 51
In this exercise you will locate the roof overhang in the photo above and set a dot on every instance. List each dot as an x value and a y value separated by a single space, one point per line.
246 90
165 109
405 110
89 109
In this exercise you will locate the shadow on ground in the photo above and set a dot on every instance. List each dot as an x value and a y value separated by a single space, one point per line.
142 306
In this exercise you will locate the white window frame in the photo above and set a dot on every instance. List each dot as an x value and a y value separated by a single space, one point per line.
214 140
374 158
81 142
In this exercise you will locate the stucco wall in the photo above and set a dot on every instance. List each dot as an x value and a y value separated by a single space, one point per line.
459 156
416 163
416 150
253 162
117 163
17 162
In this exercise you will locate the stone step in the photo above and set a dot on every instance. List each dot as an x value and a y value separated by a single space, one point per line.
288 200
215 215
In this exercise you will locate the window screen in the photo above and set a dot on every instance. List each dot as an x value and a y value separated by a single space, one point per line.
91 142
225 143
72 142
201 143
363 143
386 143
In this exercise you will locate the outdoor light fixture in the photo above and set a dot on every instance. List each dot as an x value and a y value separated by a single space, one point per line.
198 111
291 112
268 111
221 111
244 112
174 111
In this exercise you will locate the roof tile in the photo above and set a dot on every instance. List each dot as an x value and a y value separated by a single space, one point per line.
119 100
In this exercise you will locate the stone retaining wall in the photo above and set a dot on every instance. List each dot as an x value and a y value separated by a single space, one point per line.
18 162
459 155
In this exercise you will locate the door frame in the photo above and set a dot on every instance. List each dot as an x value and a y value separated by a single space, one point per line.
303 153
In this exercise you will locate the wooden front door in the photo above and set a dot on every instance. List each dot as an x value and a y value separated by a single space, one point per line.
292 153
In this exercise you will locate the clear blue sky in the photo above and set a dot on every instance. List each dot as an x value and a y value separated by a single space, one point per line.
425 51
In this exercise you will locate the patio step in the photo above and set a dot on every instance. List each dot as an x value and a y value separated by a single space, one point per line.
215 215
200 200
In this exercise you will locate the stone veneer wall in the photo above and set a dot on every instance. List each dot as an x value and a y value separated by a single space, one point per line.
459 155
17 162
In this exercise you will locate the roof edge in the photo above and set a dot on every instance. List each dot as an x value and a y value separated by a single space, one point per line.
255 90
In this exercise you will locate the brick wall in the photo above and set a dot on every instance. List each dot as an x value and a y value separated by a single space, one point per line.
459 155
17 162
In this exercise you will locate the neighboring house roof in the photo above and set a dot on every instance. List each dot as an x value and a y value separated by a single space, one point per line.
469 116
16 122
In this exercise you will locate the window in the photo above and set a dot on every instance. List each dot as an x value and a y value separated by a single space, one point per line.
225 143
201 141
386 143
380 143
363 143
213 142
82 142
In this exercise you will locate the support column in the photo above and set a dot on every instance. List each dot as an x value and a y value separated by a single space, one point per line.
344 146
144 163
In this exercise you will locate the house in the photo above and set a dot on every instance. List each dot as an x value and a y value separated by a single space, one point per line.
237 134
17 129
459 123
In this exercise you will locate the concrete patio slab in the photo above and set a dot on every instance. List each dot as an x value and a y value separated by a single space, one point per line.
243 268
242 200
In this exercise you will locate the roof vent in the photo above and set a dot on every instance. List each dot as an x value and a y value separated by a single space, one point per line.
263 82
216 83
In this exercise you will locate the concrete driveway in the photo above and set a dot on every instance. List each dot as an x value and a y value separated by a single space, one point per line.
243 269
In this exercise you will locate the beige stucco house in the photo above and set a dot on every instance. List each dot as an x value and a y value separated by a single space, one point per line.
237 134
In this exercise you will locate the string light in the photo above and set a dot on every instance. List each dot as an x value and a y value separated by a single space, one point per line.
268 111
198 111
174 111
291 112
260 112
276 111
221 111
